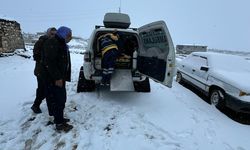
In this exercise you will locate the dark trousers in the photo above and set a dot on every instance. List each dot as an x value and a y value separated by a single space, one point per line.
108 64
57 96
40 91
41 95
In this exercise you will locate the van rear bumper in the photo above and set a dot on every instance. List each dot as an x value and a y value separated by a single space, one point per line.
97 76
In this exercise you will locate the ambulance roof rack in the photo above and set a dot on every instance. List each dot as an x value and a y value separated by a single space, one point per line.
116 20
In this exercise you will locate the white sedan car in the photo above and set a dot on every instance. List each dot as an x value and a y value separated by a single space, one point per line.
224 78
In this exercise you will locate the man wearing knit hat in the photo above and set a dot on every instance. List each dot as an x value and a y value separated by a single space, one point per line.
57 71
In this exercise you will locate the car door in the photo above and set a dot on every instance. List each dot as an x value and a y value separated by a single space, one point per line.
185 68
156 54
200 76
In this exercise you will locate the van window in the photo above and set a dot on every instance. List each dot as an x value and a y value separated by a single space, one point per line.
155 43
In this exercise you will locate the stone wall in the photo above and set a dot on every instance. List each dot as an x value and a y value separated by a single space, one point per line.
10 36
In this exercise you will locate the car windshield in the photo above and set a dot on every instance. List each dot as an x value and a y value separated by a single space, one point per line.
229 63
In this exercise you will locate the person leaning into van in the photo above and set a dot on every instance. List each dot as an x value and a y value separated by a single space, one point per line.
110 52
57 71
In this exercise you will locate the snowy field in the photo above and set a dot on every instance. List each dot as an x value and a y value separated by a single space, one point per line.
165 119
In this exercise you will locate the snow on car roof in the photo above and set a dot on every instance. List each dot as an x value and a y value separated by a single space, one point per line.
225 61
232 69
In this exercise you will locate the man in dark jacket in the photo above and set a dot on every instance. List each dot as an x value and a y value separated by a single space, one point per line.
56 72
40 91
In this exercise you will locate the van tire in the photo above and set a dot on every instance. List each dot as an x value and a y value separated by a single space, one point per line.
142 86
83 84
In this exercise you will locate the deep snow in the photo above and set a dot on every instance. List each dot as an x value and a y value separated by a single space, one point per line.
164 119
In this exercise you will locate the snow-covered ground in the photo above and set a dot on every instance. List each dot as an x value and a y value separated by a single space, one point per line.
165 119
77 46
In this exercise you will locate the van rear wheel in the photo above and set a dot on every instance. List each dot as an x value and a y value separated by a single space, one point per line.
83 84
143 86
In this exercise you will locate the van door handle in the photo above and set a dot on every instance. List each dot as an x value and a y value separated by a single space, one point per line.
183 66
193 70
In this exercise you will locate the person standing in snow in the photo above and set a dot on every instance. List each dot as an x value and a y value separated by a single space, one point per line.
40 91
57 72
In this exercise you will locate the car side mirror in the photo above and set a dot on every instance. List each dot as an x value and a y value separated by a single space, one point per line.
203 68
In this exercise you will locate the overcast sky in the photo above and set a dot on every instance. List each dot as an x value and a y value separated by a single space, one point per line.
221 24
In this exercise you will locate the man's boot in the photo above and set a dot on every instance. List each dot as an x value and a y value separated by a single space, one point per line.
64 127
36 109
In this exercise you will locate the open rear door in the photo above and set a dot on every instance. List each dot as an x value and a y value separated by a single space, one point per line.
156 55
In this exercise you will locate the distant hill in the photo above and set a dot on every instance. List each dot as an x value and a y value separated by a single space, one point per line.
240 53
76 45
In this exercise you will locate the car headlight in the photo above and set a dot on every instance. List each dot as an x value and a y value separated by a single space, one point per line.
242 93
